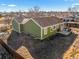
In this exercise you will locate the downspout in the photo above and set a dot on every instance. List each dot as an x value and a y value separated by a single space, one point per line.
41 33
19 28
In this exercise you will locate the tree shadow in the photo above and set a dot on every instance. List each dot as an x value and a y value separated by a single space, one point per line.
52 48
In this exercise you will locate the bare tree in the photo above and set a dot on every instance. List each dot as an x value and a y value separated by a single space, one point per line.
34 12
69 10
36 9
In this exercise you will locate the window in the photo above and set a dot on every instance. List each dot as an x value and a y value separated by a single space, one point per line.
67 20
72 20
53 27
45 31
64 20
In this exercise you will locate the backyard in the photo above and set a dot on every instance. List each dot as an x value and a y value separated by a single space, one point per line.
55 47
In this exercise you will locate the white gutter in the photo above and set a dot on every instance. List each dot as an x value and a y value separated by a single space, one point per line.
41 33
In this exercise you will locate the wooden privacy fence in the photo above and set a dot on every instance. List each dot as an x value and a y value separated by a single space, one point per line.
13 53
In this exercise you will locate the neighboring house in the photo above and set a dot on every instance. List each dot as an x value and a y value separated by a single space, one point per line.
68 19
72 21
39 28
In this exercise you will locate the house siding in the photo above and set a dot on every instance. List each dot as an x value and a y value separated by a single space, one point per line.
21 28
33 29
15 26
49 32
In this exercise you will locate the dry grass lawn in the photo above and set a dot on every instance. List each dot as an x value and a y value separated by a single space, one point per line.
73 51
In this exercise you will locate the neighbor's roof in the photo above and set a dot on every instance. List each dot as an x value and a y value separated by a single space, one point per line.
19 18
47 21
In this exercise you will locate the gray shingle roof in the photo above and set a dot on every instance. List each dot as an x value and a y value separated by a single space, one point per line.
47 21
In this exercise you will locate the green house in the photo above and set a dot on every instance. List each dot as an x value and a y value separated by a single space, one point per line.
39 27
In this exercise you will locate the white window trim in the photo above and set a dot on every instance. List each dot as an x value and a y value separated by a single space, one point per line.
54 27
51 30
45 31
